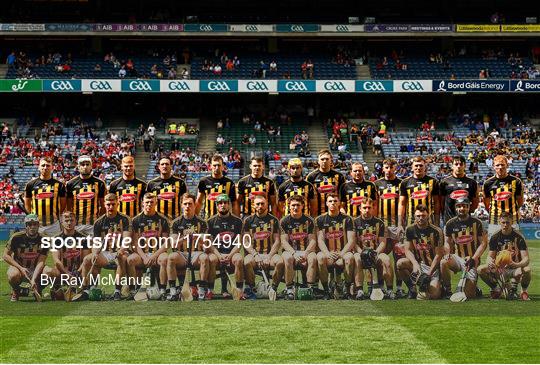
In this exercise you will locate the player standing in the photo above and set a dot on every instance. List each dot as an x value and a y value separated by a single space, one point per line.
297 185
503 193
129 189
46 197
457 186
255 184
325 180
418 189
168 189
388 193
84 196
355 191
210 187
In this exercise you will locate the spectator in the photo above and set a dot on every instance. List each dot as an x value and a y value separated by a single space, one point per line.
97 67
185 73
220 140
273 66
122 72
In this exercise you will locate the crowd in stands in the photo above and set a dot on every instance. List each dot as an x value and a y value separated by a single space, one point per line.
346 134
181 129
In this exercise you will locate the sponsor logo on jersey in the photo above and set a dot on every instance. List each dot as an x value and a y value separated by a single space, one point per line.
70 254
368 237
298 236
465 239
336 235
254 194
357 200
150 233
261 235
420 194
390 196
128 197
458 194
87 195
169 195
421 246
29 255
226 233
502 196
46 195
323 189
213 196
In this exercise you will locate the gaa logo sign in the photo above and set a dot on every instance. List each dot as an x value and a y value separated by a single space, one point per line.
412 86
342 28
295 86
62 86
251 28
334 86
206 28
297 28
140 86
374 86
218 86
256 86
100 86
178 86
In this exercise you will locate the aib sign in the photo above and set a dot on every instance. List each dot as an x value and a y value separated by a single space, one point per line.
296 86
62 85
218 86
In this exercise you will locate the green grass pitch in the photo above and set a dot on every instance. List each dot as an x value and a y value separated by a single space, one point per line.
403 331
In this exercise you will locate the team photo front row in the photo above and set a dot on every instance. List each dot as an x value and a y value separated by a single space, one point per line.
334 250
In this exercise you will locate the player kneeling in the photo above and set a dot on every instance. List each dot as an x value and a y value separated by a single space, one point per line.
187 233
466 242
263 229
225 230
336 240
26 258
370 237
423 252
299 244
67 261
508 259
148 227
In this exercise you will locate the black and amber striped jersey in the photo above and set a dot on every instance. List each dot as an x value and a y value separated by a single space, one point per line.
335 230
26 250
150 226
513 242
388 192
466 235
86 194
370 232
424 242
325 183
212 188
352 194
289 188
72 257
261 230
45 195
453 188
504 195
183 226
227 228
169 192
249 187
298 230
419 191
116 225
130 194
